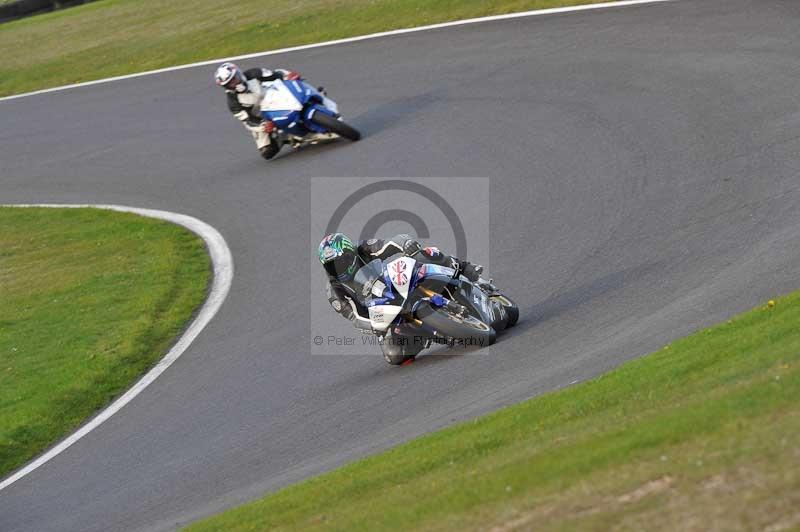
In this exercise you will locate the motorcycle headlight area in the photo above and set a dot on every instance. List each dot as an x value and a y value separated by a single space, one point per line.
375 287
378 288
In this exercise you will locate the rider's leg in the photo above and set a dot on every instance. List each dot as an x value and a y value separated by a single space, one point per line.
434 255
268 144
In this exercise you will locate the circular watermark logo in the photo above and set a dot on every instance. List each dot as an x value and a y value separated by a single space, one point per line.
449 213
413 219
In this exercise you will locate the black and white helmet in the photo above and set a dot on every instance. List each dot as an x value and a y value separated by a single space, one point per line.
230 76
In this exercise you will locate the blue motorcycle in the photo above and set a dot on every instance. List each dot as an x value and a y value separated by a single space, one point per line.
304 114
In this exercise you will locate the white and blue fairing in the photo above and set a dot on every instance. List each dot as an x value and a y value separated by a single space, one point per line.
291 104
398 278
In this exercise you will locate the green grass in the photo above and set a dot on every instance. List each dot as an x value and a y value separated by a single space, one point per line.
90 300
701 435
115 37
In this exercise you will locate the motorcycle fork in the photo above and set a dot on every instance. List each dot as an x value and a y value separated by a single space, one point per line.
450 305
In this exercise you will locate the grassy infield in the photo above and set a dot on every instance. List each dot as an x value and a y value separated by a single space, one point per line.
115 37
89 300
703 434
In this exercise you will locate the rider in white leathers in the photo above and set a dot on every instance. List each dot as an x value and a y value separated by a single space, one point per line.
244 92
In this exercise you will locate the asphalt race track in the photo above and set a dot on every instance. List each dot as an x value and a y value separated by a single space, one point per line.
644 166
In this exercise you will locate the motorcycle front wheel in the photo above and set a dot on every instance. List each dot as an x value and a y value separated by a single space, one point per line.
468 329
336 126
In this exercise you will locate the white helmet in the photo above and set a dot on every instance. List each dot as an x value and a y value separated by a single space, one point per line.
230 76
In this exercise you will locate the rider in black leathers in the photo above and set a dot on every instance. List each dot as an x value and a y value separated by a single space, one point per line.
341 259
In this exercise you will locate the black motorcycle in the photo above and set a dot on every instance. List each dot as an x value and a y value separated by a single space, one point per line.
413 306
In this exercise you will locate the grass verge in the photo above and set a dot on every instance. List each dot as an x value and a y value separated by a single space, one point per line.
91 299
702 435
115 37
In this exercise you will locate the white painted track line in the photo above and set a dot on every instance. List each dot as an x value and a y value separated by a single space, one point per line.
222 262
538 12
218 249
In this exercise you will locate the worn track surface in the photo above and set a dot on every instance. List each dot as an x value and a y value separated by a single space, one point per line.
644 165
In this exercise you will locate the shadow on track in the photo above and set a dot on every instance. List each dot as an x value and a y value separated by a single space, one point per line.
385 116
379 118
561 302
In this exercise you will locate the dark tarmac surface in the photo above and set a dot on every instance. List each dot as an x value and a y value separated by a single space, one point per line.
644 170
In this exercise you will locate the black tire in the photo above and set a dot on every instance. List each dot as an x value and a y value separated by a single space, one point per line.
512 310
336 126
467 328
397 360
397 355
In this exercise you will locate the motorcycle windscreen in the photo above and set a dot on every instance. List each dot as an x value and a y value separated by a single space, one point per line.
305 92
330 104
366 282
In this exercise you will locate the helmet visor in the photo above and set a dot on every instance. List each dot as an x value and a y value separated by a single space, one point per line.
342 267
233 83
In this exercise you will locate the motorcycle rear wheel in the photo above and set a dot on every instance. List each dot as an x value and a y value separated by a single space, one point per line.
467 328
336 126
